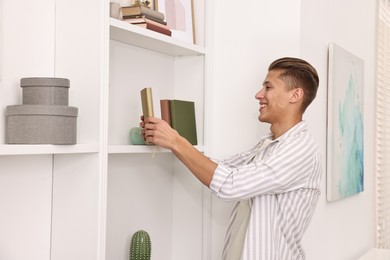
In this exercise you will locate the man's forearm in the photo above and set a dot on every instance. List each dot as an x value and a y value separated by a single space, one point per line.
201 166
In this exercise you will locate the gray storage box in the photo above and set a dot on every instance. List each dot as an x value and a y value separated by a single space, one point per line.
45 91
35 124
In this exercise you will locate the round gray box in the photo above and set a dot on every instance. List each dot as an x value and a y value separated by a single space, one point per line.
45 91
36 124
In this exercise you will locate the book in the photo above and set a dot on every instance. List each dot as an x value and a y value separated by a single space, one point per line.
155 28
141 10
144 16
147 102
183 119
145 20
165 111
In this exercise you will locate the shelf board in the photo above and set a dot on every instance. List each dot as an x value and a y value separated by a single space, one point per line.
32 149
118 149
376 254
115 149
148 39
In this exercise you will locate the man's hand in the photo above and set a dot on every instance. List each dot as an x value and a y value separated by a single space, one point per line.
157 131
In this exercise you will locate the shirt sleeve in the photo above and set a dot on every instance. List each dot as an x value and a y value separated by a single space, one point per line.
238 159
284 168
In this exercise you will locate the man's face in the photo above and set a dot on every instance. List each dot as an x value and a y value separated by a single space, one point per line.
273 98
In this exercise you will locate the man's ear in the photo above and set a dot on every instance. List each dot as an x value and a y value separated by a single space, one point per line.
296 95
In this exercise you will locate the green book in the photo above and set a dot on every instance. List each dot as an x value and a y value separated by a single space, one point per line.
183 119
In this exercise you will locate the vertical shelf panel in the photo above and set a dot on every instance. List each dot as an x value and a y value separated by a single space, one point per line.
140 196
75 206
76 186
187 214
25 200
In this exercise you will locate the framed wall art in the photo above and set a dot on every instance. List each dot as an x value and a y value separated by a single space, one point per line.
345 133
179 17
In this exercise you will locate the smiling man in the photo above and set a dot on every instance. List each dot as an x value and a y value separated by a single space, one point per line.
275 184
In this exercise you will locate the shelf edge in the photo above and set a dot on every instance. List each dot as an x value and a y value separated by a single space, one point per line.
137 149
32 149
147 39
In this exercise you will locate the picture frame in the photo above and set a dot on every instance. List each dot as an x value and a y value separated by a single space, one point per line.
179 15
151 6
345 133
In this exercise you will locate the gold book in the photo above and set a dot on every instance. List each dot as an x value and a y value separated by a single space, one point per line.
147 102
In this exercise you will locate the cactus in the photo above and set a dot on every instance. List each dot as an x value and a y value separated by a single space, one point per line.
140 248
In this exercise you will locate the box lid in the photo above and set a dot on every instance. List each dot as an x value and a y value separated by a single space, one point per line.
41 110
44 81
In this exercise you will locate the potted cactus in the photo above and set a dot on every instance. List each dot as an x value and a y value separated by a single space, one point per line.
140 247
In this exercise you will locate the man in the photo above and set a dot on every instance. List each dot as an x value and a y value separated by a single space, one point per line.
275 185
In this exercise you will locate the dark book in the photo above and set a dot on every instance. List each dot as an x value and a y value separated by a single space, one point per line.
165 111
183 119
141 10
145 20
147 102
155 28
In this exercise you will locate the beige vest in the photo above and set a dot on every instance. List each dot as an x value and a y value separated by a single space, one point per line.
239 227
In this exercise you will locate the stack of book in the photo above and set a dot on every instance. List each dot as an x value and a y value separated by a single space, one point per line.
145 17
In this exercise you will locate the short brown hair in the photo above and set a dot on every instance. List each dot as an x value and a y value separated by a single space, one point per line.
298 73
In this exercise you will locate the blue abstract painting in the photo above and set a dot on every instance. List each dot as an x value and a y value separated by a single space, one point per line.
345 144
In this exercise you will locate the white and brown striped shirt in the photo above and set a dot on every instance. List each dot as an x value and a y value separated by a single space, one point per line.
282 185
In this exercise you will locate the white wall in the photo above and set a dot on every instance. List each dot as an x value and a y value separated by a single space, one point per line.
344 229
242 50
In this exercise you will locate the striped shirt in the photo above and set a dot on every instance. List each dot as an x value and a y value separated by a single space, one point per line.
282 185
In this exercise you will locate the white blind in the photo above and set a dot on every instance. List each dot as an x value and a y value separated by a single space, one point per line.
383 126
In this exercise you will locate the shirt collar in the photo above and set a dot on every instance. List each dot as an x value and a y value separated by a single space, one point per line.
298 128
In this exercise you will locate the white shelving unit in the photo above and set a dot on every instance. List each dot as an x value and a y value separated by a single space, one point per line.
147 187
84 201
